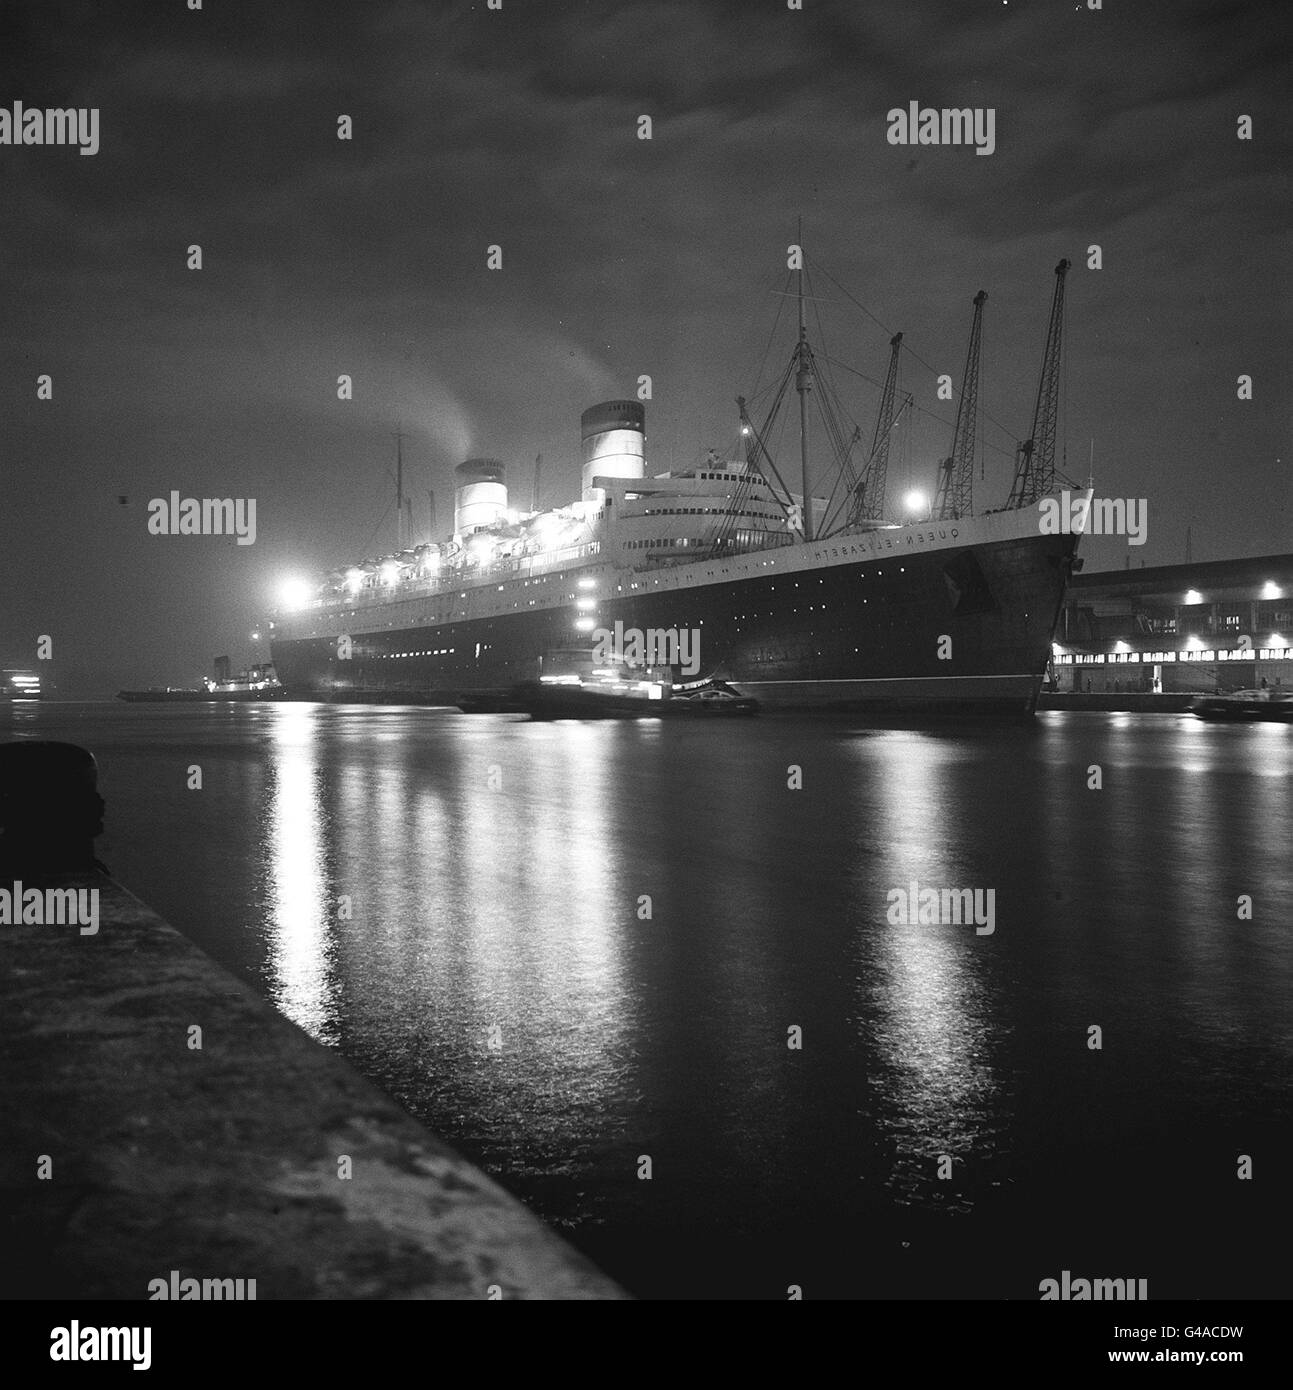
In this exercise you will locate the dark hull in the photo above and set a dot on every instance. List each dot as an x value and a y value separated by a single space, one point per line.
859 636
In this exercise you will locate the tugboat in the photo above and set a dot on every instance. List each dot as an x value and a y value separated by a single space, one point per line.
577 683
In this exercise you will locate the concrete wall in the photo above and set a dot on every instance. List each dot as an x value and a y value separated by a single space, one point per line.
223 1162
1116 700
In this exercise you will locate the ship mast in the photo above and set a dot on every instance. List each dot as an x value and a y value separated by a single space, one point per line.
803 384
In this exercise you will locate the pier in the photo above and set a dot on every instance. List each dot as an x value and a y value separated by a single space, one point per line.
160 1117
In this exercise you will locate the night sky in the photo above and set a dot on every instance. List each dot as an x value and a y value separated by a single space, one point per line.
621 257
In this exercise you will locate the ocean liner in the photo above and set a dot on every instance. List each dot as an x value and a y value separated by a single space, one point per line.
793 598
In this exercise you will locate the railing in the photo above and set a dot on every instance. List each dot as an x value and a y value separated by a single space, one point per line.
511 567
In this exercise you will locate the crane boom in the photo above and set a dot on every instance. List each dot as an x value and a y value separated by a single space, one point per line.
956 487
1035 457
868 499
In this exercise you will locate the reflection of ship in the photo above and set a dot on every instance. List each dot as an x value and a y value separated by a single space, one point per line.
826 604
19 684
255 683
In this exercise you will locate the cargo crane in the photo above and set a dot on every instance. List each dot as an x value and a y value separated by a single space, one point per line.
1035 456
956 486
868 497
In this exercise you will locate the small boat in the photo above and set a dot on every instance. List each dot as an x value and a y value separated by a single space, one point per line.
1246 705
626 695
584 683
600 700
713 698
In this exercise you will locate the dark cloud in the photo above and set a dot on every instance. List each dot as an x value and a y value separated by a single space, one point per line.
621 257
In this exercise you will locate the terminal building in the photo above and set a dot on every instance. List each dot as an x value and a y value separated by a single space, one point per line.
1219 626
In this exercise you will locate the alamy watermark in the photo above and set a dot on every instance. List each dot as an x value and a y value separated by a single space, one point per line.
1080 514
1068 1289
77 1343
63 125
50 907
948 125
652 646
203 516
934 907
188 1290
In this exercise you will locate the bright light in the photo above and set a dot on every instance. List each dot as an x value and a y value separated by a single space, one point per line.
587 583
481 549
586 624
354 579
586 603
547 521
745 429
916 501
1121 647
1195 642
390 572
431 562
294 593
1193 596
1271 590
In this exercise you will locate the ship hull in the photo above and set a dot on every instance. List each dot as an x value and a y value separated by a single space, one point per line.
950 618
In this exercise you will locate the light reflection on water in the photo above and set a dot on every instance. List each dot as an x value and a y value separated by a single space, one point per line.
494 870
927 994
454 918
300 907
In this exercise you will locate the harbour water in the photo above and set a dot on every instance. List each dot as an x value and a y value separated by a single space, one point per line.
572 947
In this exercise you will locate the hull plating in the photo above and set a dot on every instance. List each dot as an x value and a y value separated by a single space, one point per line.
955 627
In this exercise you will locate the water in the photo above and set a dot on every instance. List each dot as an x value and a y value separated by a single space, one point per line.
402 882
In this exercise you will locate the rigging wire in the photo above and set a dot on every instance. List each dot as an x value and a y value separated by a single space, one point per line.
381 522
772 336
1009 433
933 415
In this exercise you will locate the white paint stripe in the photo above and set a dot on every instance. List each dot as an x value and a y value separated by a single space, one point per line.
893 680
